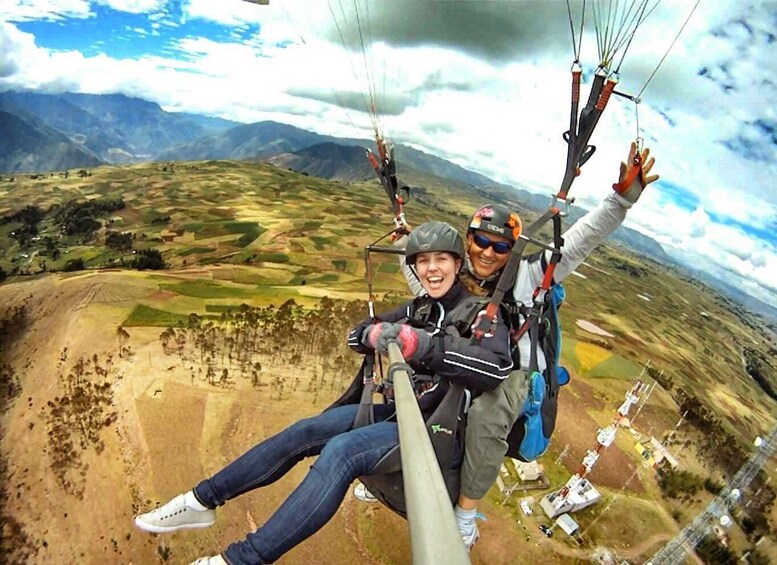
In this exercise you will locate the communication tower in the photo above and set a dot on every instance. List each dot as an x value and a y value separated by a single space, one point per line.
578 493
675 550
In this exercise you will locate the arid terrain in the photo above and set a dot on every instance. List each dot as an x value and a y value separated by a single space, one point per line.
107 411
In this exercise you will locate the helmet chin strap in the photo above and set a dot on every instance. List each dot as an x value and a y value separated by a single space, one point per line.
415 274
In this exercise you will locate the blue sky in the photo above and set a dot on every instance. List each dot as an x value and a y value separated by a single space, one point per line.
483 84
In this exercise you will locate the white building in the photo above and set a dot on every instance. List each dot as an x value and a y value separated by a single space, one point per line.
528 471
579 497
655 453
566 523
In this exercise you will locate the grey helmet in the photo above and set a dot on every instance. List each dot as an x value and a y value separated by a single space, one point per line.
433 236
496 219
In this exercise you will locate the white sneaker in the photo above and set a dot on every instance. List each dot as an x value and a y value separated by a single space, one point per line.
178 514
360 491
215 560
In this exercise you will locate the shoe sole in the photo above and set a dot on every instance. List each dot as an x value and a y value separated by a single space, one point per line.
164 529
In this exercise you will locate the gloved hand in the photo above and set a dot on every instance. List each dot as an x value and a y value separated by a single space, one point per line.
412 341
634 175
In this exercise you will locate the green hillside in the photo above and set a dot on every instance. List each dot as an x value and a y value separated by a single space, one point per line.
218 238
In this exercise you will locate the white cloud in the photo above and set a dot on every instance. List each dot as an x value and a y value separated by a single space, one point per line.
765 273
26 10
233 13
137 30
729 253
495 106
698 223
760 282
13 44
135 6
759 259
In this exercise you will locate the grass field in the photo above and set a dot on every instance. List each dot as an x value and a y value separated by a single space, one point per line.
209 289
146 316
246 233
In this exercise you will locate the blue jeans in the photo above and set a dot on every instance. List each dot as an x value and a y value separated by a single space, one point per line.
344 454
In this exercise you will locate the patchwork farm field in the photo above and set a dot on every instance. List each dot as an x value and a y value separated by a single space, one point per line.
248 246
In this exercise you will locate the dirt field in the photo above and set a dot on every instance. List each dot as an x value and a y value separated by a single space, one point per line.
165 430
170 433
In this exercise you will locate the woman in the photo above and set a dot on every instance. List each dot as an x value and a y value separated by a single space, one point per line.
493 413
435 252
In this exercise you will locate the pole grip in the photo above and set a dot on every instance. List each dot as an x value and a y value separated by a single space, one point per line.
434 535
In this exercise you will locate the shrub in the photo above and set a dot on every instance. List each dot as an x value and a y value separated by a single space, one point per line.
74 265
676 483
148 259
119 241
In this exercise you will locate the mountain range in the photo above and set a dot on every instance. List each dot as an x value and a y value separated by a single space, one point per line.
54 132
113 129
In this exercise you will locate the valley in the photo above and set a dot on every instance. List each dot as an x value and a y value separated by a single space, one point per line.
113 401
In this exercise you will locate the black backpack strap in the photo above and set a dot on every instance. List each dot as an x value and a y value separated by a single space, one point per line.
510 270
366 415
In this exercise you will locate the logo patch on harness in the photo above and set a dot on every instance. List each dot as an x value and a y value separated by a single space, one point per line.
436 428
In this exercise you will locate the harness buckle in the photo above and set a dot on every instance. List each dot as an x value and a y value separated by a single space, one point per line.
478 324
566 204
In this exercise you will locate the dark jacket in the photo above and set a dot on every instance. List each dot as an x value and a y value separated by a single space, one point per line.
454 356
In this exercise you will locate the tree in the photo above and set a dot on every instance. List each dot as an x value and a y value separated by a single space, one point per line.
50 247
166 337
256 377
122 336
148 259
119 241
74 265
711 551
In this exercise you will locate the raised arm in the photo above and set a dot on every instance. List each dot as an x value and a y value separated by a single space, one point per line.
412 281
590 230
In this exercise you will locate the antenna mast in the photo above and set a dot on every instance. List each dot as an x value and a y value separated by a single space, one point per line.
683 543
558 502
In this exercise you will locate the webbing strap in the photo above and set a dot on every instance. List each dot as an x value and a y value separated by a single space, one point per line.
532 318
507 279
386 169
578 152
634 172
365 414
534 339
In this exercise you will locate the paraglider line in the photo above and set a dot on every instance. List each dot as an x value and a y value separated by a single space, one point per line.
627 39
676 37
576 47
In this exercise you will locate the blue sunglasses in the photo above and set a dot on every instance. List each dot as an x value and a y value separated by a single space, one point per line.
500 247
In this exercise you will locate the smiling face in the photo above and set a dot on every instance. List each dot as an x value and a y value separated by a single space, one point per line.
437 271
485 261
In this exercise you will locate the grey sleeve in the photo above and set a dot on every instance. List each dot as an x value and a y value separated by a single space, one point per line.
412 281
